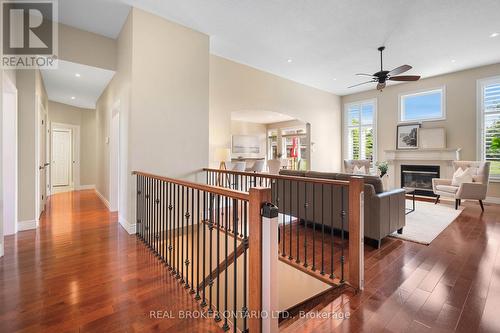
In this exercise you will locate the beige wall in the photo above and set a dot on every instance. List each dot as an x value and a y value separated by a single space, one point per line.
86 119
254 129
461 107
235 87
30 88
87 48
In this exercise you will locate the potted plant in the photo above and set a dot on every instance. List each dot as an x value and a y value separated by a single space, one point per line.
383 167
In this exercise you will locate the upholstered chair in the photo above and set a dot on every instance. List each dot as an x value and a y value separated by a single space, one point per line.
350 164
274 166
475 190
239 166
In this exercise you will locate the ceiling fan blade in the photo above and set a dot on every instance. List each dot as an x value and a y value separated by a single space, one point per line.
399 70
360 84
363 74
405 78
381 86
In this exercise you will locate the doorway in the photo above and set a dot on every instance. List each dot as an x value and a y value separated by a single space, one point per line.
9 186
65 158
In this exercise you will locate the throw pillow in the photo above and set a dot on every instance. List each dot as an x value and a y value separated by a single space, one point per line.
359 170
461 176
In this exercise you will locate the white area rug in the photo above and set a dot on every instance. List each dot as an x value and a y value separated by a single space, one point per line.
427 221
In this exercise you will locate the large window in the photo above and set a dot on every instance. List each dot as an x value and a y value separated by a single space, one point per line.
422 106
360 130
489 122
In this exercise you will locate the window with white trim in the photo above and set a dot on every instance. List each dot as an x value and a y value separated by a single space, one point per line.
489 123
360 130
422 106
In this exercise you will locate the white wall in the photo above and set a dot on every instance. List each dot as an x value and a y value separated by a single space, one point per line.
237 87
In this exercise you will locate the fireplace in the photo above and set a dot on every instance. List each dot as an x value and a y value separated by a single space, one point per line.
419 177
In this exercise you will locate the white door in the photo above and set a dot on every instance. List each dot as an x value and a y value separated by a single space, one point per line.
61 158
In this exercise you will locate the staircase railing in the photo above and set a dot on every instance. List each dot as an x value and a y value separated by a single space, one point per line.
320 221
210 238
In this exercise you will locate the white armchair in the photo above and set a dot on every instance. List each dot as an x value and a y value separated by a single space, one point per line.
472 191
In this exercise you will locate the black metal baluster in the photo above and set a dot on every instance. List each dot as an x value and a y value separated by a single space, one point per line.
192 241
235 249
291 220
225 327
283 224
342 258
182 232
314 226
306 205
178 239
322 272
203 249
332 239
187 215
211 227
157 205
297 230
198 222
148 213
244 310
217 262
170 226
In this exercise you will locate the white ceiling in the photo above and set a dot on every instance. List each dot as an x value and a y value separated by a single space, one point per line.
328 41
62 84
259 116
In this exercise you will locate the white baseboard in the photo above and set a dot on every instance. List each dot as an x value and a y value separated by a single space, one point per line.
493 200
1 250
103 199
130 228
85 187
27 225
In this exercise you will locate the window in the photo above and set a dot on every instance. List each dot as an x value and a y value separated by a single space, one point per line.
422 106
360 130
489 122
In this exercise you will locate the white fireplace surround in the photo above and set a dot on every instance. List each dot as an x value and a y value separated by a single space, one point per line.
440 157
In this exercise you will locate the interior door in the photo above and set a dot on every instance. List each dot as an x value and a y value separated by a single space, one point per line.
61 158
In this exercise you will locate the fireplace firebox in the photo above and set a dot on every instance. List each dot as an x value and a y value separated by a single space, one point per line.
419 177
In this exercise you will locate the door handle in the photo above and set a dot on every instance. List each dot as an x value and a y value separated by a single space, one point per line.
40 168
46 164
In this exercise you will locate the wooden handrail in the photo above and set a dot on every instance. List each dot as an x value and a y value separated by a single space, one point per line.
283 177
197 186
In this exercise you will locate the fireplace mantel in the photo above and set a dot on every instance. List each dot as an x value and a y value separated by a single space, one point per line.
446 154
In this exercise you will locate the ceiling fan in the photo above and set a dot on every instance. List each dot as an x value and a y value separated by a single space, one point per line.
382 76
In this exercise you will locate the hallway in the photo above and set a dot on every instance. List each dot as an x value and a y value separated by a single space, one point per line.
81 272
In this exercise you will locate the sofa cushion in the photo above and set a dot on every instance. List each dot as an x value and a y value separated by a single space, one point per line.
295 173
322 175
447 188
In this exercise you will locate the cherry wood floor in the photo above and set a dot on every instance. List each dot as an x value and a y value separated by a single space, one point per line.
81 272
452 285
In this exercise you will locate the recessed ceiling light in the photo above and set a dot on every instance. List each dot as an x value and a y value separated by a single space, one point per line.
73 97
453 60
495 34
289 60
77 74
334 79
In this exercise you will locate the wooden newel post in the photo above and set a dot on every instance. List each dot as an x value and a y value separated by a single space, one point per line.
356 232
258 196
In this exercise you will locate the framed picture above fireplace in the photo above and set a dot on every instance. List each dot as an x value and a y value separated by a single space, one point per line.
407 136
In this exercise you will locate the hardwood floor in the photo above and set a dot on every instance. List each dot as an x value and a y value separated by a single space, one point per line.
451 285
82 272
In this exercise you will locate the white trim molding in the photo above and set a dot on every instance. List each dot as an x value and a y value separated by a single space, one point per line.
493 200
103 199
27 225
130 228
85 187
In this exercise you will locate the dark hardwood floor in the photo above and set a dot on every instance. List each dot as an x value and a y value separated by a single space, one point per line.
82 272
451 285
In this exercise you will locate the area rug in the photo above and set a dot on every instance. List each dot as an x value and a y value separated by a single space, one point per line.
427 221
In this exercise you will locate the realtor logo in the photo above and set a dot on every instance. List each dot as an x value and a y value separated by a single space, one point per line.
29 34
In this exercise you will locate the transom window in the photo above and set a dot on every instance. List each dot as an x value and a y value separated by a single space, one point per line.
489 121
359 130
422 106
